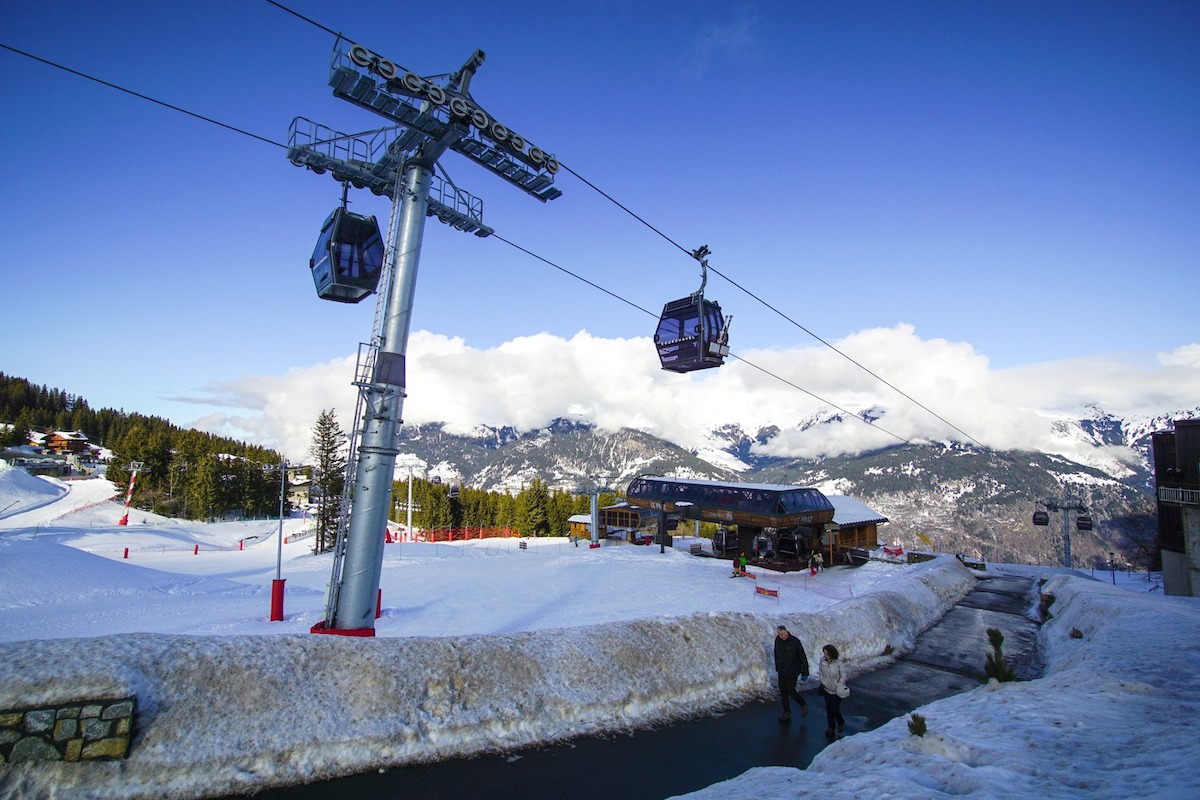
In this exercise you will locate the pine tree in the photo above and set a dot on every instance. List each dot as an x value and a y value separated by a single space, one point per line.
533 509
204 488
995 666
506 512
328 452
562 506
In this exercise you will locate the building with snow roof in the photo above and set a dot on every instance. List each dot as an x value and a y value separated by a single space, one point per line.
64 442
855 526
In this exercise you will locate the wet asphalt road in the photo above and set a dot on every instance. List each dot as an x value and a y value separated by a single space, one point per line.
689 755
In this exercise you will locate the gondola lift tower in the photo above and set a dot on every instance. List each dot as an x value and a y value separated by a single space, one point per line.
427 116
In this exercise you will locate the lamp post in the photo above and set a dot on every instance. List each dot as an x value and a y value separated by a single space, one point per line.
408 507
277 584
1112 567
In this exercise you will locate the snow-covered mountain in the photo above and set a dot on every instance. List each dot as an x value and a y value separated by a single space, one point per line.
964 498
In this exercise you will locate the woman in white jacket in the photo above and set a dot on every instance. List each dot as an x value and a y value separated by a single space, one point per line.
833 689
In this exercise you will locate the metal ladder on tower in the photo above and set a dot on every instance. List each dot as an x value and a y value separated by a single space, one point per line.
364 371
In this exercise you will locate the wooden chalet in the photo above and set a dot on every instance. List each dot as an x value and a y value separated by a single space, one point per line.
621 520
855 525
63 442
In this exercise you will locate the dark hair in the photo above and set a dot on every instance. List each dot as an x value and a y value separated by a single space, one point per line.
830 651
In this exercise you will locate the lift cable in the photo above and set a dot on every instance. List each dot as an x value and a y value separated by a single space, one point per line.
763 370
689 253
332 32
496 236
619 205
773 308
142 96
573 275
282 7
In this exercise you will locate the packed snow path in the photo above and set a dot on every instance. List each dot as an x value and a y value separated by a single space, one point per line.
949 657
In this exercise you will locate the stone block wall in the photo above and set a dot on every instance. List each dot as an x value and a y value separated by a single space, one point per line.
84 730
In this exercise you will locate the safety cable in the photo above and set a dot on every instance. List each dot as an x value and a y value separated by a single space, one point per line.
497 236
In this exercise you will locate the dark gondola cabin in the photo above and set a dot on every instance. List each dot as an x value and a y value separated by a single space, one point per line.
1083 523
692 334
348 257
1041 518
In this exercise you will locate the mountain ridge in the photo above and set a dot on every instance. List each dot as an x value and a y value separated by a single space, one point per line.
965 498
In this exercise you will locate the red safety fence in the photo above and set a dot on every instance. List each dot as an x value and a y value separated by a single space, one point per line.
463 534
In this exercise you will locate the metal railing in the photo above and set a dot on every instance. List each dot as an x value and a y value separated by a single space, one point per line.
1183 497
375 160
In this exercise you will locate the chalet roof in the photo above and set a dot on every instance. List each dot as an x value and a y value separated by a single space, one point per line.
77 436
579 518
850 512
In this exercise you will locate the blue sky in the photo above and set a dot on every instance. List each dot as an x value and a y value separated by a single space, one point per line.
1016 183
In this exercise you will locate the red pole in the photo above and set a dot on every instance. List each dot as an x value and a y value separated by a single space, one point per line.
126 552
277 599
196 550
240 541
379 604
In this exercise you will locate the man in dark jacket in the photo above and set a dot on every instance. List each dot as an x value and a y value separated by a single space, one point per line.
791 663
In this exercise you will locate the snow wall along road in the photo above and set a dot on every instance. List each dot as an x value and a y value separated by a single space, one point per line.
224 714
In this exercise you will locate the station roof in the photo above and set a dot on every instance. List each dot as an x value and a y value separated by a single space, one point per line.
850 512
758 504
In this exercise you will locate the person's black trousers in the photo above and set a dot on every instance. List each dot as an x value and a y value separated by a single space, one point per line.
787 688
833 710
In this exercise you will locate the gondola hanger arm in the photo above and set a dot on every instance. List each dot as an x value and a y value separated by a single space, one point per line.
701 254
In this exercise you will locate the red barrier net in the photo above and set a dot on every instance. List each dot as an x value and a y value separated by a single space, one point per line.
463 534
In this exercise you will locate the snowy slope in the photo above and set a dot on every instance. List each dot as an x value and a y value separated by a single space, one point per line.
483 646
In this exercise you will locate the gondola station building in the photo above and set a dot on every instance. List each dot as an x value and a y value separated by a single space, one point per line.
775 525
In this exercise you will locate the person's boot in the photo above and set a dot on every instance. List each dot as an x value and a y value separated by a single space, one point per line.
829 733
785 716
841 725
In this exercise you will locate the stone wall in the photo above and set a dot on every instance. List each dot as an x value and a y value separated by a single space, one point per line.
84 730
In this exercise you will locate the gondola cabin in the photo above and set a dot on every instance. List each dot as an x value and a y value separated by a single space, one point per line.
692 334
1041 518
348 257
1083 523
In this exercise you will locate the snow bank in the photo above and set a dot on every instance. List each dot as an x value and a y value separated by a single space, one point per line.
235 713
22 491
1113 717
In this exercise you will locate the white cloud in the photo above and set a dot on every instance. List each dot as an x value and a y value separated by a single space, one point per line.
616 383
1187 357
734 39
